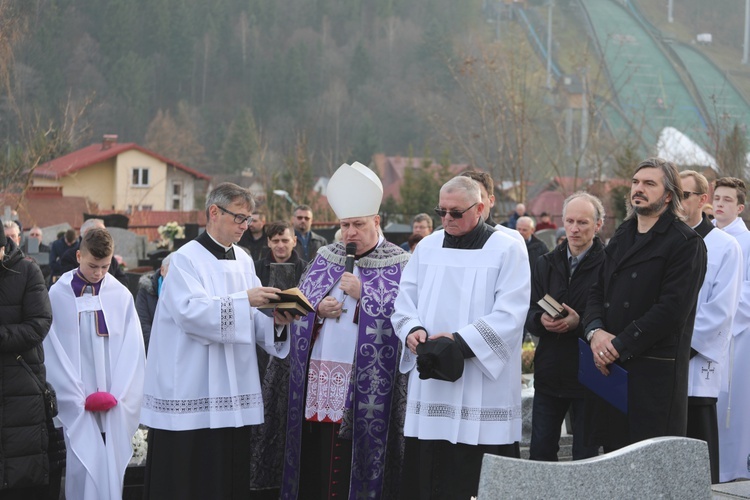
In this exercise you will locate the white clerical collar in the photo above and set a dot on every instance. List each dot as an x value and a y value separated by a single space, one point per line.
226 248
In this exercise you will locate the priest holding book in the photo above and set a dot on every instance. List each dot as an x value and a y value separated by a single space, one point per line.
566 274
340 400
202 391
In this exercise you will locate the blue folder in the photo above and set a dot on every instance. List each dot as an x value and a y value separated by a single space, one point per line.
612 388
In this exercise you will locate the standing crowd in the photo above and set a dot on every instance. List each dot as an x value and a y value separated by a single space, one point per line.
407 370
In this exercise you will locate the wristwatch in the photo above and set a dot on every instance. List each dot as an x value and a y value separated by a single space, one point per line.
590 334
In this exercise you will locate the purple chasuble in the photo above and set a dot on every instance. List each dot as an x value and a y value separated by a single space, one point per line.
373 373
79 284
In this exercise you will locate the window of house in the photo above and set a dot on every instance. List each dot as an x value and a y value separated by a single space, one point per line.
140 177
177 196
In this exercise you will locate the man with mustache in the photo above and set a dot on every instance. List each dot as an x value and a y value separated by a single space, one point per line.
641 311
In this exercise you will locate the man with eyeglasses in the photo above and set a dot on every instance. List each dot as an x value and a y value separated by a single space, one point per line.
465 293
717 305
641 310
202 392
733 405
308 242
534 246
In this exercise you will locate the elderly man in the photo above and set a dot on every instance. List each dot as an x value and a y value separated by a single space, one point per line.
535 247
202 391
566 273
422 226
12 232
465 290
640 312
733 406
344 417
35 233
254 239
308 242
717 305
519 212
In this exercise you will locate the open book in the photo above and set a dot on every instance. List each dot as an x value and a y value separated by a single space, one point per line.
291 300
552 307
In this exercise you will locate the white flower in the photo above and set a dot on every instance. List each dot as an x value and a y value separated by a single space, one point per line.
140 446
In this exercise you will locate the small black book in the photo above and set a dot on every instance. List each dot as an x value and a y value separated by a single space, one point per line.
552 307
291 300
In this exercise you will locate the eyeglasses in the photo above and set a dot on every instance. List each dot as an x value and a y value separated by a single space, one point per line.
238 218
456 214
686 194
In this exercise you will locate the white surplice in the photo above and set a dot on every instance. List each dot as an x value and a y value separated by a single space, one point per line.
95 470
483 295
202 369
733 406
717 304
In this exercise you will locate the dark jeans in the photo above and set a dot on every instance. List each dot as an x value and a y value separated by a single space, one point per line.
546 423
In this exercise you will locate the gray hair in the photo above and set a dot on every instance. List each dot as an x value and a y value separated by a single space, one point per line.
528 219
227 193
91 224
423 218
596 202
469 186
10 224
672 185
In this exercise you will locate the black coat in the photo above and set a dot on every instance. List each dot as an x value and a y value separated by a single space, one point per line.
25 319
145 302
536 248
263 267
646 295
556 357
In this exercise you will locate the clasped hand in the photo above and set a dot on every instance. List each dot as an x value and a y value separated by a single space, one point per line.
561 325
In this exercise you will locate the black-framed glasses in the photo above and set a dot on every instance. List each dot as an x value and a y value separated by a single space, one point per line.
687 194
238 218
456 214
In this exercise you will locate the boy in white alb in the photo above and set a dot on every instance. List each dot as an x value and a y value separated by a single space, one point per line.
733 406
96 361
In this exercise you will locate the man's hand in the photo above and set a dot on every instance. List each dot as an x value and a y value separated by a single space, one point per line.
562 325
351 285
603 350
415 338
330 308
262 295
282 318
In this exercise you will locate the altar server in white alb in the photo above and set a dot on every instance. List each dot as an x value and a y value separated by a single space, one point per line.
95 360
717 305
202 391
733 406
466 287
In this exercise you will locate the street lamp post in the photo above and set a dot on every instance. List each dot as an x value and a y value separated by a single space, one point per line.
549 43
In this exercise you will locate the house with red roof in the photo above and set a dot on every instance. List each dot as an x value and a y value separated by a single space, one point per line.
122 177
391 170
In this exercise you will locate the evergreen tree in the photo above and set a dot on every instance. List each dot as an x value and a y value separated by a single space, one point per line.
241 143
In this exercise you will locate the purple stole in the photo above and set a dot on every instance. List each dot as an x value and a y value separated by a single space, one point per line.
375 366
78 283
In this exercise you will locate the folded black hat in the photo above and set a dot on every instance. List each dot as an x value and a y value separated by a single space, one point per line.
440 359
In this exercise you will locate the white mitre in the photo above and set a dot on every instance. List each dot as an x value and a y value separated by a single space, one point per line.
354 191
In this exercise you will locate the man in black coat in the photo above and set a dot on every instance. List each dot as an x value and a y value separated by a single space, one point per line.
281 242
25 319
536 247
566 273
149 289
641 311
